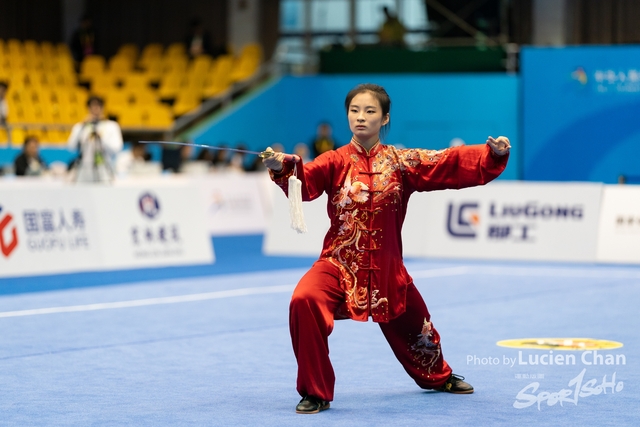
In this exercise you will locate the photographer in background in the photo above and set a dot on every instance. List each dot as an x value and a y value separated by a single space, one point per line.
97 141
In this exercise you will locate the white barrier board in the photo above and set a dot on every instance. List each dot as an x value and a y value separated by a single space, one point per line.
234 202
619 231
47 229
281 239
506 220
510 220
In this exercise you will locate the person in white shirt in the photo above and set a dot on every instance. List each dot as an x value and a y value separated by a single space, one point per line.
97 141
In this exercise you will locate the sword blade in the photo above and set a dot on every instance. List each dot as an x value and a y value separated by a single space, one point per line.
210 147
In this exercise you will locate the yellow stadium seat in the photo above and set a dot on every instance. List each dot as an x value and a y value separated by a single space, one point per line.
4 136
17 136
42 134
135 82
91 66
14 46
176 49
158 116
16 113
70 113
18 63
129 50
145 97
120 66
31 48
131 117
78 95
62 65
39 95
175 64
219 80
200 64
186 102
62 80
48 50
102 84
64 51
154 70
150 53
29 113
248 63
34 80
116 101
170 85
57 136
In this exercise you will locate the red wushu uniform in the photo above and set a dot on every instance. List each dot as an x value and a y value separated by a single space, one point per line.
360 272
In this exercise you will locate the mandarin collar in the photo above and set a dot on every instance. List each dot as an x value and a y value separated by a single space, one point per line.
355 146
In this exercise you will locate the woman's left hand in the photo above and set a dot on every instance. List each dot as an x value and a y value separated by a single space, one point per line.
500 145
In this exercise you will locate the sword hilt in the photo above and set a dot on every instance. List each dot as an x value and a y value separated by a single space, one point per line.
287 157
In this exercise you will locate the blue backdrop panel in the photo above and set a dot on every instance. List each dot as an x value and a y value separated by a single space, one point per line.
580 108
427 111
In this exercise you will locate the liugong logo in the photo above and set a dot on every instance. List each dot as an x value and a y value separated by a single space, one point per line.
463 219
8 234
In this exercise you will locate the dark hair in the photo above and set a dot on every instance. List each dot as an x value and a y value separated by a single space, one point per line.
29 138
4 84
95 98
379 93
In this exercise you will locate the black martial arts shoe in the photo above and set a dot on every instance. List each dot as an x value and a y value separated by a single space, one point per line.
456 385
311 405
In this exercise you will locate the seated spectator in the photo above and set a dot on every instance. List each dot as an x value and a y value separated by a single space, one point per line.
302 150
126 160
174 157
323 140
220 159
205 155
29 162
237 160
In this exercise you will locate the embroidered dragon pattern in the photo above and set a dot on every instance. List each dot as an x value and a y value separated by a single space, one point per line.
427 353
346 251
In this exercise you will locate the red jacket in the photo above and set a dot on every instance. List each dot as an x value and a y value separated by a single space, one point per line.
368 196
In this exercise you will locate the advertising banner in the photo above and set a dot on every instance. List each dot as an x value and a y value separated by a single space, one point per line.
619 231
47 229
573 100
234 203
506 220
144 225
503 220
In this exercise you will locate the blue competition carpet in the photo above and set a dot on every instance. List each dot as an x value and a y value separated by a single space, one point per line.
209 346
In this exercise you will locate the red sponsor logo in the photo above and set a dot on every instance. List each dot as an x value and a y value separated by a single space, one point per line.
8 232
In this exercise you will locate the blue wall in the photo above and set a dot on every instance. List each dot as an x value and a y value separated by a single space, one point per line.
580 113
8 155
427 111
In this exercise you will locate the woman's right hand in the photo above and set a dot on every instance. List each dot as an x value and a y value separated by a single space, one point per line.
275 161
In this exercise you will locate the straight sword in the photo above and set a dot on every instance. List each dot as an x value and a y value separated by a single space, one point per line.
261 154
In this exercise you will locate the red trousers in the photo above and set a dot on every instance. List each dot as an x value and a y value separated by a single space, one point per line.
412 337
